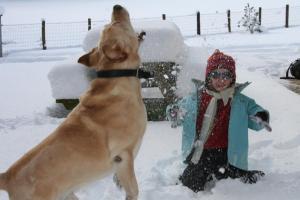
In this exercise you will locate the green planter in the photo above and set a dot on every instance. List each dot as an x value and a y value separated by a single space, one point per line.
165 75
155 107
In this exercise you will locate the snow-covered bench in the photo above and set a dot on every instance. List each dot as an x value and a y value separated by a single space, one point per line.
161 52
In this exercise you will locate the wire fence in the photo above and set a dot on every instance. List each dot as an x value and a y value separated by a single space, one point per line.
16 37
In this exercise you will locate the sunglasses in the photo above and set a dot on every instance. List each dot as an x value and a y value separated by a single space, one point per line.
221 75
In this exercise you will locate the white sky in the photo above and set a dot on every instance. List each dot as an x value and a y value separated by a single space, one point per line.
20 11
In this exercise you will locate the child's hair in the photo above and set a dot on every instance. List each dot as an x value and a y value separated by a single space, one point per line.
219 60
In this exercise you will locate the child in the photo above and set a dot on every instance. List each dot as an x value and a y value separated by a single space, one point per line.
215 120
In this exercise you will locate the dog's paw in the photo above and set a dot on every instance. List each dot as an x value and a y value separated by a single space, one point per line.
117 181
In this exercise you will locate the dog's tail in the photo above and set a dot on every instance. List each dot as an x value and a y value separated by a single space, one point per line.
3 181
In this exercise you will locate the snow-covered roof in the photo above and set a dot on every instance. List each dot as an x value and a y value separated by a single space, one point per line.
163 41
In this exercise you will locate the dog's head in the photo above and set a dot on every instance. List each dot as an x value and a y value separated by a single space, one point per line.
118 45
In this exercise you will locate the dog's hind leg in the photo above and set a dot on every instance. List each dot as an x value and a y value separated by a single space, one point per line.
125 174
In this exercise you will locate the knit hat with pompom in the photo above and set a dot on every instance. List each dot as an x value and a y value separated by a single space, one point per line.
219 60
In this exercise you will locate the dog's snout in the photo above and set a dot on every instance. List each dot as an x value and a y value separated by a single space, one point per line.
117 7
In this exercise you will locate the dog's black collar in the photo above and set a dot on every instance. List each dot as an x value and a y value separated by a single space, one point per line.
124 73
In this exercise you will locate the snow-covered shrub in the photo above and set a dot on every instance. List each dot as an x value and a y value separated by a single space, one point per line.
250 20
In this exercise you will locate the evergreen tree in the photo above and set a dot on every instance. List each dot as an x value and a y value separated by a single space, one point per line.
250 19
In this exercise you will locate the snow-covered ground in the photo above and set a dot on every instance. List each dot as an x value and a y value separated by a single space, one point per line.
261 59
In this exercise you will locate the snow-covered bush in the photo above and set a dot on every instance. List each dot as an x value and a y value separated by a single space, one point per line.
250 20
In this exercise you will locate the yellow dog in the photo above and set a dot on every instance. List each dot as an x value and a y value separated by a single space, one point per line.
100 136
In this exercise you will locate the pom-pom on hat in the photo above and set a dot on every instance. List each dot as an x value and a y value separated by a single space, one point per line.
219 60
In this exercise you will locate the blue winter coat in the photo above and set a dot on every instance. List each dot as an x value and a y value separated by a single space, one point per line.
241 108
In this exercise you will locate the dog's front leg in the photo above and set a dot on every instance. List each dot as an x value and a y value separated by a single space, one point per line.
125 173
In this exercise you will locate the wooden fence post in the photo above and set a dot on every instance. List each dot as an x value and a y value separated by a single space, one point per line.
44 34
89 24
198 24
259 15
287 16
229 21
1 53
164 16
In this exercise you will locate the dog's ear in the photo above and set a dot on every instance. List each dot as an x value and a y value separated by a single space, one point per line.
115 51
91 58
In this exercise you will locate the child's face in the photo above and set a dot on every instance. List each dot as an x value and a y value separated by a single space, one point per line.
221 79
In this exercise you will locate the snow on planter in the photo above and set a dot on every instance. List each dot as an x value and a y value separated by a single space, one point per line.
163 41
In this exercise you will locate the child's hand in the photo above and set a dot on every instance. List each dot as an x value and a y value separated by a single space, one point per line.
173 112
263 115
261 122
175 115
